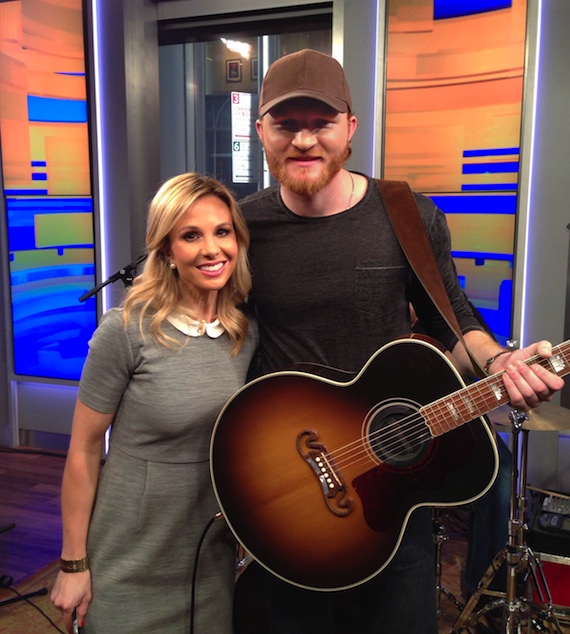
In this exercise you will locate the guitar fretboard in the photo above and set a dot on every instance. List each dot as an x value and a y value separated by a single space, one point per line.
485 395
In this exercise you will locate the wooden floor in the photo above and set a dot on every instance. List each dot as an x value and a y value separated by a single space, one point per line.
30 485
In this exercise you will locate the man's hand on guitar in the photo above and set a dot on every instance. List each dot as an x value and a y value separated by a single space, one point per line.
527 385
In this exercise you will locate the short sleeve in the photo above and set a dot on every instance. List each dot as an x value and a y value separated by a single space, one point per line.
109 364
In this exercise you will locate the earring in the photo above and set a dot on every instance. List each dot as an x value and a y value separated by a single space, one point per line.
172 265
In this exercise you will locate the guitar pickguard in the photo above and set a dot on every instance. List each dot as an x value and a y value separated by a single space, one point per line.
332 484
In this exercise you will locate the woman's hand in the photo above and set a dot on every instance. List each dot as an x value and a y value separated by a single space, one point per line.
72 592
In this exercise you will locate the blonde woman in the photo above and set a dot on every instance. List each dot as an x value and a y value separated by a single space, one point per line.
159 370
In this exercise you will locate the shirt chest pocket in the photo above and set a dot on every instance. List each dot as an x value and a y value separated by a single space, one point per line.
378 289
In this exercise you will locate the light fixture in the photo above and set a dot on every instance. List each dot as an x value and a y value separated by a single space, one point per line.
241 48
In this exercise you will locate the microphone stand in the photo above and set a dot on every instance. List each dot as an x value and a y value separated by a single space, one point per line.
126 274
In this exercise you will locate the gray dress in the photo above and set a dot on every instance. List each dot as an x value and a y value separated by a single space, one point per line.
155 495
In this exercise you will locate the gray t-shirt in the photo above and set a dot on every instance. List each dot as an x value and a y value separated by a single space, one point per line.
334 289
166 400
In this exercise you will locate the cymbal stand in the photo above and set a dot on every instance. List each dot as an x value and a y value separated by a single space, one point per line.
440 536
518 614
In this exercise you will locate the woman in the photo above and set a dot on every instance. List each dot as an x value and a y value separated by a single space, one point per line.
159 370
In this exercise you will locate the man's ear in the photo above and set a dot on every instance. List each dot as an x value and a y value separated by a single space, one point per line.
259 128
352 126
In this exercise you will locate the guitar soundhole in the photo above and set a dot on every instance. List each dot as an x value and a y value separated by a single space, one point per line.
397 434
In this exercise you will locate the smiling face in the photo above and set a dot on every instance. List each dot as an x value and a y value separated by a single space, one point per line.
306 143
204 250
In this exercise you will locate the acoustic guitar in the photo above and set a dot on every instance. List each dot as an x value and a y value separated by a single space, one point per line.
317 478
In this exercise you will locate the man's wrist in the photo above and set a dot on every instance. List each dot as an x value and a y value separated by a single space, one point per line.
492 360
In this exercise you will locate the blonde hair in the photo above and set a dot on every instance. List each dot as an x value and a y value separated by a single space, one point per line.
157 291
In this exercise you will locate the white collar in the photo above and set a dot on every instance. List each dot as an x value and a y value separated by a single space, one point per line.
195 328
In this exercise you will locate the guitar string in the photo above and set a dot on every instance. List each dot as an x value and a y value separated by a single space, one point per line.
392 439
363 450
437 412
490 402
416 423
415 429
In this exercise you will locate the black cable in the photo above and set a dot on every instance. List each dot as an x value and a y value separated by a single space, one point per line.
25 598
6 578
218 516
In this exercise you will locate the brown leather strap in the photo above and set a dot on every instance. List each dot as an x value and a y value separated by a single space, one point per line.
407 223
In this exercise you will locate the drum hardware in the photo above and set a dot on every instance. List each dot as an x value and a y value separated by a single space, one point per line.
556 494
517 614
545 417
440 536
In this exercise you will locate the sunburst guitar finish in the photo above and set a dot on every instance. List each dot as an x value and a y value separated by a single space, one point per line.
317 478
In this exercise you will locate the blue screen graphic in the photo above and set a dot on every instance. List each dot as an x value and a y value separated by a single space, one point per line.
51 264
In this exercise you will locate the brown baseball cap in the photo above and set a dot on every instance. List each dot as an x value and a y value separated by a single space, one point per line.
306 73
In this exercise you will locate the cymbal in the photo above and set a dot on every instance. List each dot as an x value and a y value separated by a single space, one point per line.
545 417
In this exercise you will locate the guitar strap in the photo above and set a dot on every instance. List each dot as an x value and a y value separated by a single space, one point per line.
409 228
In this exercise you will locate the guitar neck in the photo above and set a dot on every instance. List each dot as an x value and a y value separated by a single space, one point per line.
485 395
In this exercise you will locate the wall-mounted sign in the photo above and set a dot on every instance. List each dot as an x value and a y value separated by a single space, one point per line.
245 143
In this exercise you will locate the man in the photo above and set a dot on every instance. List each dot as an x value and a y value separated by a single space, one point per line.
331 286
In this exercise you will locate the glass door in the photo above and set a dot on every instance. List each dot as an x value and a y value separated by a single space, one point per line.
209 92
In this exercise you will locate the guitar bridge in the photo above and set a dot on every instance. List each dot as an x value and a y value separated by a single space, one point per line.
332 484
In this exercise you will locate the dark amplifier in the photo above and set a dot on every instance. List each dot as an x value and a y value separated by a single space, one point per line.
549 530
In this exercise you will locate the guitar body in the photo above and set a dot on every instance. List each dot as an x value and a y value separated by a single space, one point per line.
317 478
